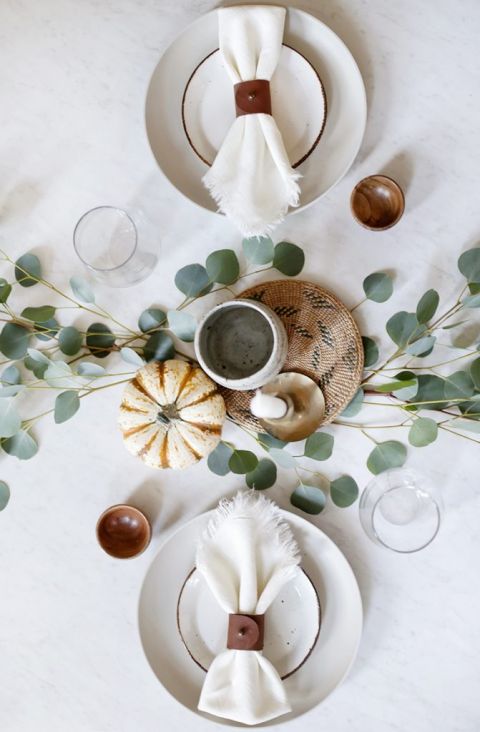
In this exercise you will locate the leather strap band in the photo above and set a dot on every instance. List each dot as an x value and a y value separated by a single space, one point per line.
245 632
252 97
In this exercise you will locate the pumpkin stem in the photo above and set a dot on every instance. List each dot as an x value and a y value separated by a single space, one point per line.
167 413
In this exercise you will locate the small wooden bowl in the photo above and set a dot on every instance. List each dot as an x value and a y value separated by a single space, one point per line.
377 202
123 531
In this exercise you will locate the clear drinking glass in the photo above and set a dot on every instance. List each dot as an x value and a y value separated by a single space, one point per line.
116 247
401 510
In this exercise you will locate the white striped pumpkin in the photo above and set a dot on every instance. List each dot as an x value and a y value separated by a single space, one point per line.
171 414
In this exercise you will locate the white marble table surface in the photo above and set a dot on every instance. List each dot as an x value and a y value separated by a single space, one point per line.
72 86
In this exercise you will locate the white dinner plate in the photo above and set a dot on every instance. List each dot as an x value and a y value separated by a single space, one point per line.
208 108
331 59
292 623
327 664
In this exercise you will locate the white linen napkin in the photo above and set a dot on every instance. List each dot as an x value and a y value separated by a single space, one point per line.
246 555
251 178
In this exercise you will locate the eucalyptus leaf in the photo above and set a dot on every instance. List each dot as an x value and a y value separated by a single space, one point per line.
465 424
308 498
58 374
47 330
14 340
90 370
469 264
401 327
319 446
28 270
100 340
5 290
10 422
11 391
70 340
422 347
427 306
218 460
355 405
406 392
38 356
182 324
283 458
242 462
39 314
222 267
470 408
385 455
66 405
258 249
378 286
343 491
4 494
264 475
370 351
193 280
81 289
270 441
459 385
159 347
11 376
22 445
423 432
288 258
35 366
151 318
471 301
474 372
430 392
130 356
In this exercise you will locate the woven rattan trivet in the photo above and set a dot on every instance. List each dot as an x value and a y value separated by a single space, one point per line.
324 343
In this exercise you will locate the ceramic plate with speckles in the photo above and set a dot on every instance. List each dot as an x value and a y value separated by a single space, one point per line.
324 164
292 623
327 665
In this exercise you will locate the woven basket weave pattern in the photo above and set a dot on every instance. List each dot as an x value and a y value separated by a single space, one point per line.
324 343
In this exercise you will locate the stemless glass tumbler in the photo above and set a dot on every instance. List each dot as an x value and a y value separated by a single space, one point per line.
401 510
115 246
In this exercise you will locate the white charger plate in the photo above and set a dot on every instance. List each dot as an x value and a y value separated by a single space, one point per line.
208 108
333 62
292 623
331 657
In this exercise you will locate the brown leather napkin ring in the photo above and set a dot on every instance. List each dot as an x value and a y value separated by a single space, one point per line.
252 97
245 632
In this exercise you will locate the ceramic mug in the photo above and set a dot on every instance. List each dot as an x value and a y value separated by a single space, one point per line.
241 344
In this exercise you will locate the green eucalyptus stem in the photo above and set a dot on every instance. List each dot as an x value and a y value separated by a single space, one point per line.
372 439
458 434
359 426
358 304
100 312
188 301
32 420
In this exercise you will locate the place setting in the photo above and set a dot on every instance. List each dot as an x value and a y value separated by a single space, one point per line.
248 614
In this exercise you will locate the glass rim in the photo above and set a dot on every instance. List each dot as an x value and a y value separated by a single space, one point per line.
117 266
404 551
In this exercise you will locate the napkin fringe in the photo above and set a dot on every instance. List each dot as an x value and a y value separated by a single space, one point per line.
231 202
267 516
